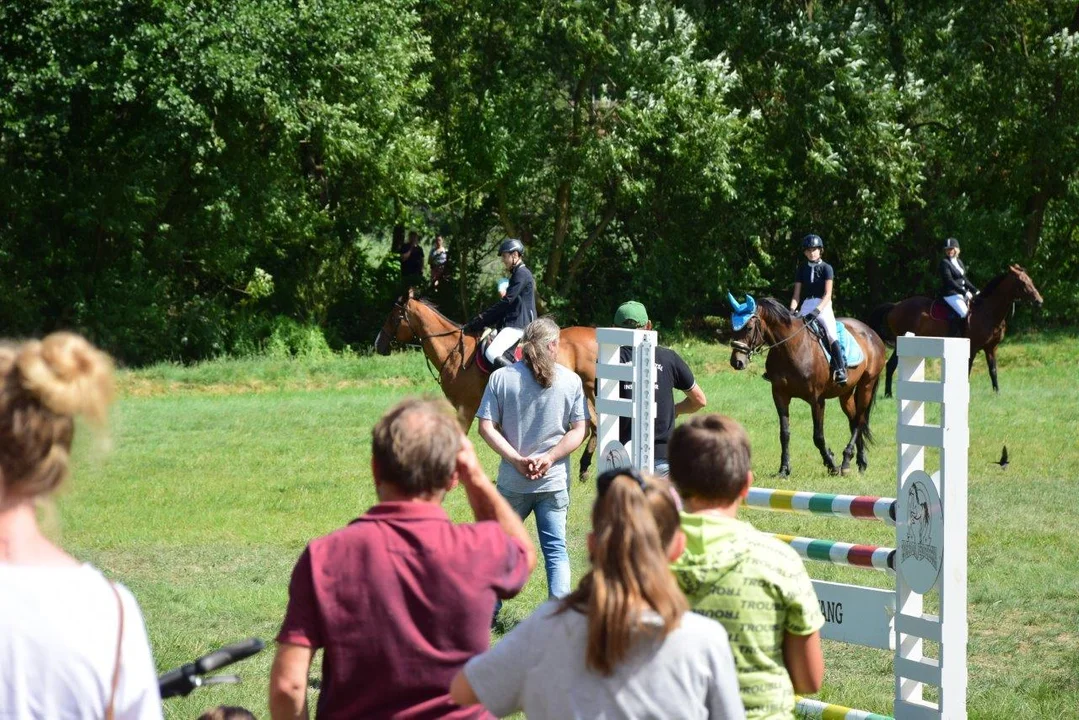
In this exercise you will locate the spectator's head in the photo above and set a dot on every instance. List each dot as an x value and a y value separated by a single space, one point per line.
413 237
632 315
710 460
635 535
539 348
414 450
43 386
227 712
439 241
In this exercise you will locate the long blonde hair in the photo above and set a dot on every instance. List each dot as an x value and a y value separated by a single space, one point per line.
43 385
538 335
633 523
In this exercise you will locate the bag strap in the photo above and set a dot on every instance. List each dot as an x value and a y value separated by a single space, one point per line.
119 646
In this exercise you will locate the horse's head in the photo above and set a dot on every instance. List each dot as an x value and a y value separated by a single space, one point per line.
396 328
1026 289
747 335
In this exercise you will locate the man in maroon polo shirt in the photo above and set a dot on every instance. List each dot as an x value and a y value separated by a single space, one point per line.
401 598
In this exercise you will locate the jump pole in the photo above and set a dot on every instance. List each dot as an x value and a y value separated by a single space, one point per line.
930 517
641 409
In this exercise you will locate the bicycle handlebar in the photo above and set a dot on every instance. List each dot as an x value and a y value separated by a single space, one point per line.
185 678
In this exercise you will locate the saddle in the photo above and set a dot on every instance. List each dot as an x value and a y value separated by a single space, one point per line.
851 350
512 355
940 310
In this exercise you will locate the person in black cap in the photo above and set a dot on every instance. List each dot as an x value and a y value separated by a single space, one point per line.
955 287
517 308
815 279
672 373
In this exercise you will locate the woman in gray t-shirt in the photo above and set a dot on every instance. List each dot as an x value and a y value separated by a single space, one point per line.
623 644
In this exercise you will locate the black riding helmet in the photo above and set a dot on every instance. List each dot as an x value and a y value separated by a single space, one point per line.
812 241
951 243
511 245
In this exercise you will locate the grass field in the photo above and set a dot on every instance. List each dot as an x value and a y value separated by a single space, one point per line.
214 478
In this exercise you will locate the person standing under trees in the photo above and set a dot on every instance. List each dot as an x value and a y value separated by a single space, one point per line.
956 289
533 414
412 262
815 279
624 645
672 373
72 643
514 311
437 260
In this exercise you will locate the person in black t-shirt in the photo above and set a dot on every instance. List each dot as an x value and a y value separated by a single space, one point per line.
813 286
412 261
672 373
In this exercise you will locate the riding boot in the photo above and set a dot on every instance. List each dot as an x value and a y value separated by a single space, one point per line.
839 364
500 362
959 327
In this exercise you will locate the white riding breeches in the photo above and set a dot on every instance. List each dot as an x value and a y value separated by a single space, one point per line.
503 341
827 318
957 303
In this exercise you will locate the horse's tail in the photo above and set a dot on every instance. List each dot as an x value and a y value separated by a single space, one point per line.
878 320
864 427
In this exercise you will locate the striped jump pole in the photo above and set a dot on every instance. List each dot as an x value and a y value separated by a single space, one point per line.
864 507
815 710
841 553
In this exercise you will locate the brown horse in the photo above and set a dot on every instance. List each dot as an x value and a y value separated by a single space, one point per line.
453 352
797 368
985 329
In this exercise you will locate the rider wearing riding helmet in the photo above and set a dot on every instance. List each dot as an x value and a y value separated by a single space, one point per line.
515 310
955 288
815 279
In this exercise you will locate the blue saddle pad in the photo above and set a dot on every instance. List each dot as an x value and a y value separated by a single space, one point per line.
852 351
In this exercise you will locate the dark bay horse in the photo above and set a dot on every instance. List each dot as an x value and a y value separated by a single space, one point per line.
453 353
797 368
988 319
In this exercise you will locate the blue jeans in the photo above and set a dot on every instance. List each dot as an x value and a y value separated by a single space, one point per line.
551 509
661 468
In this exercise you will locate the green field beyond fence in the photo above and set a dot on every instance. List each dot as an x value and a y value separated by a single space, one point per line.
214 477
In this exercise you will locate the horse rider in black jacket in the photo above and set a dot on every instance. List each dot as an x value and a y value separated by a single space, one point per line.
512 314
956 289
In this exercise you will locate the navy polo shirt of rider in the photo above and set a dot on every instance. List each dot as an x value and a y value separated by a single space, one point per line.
812 276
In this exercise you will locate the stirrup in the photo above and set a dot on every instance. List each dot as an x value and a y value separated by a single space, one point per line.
839 376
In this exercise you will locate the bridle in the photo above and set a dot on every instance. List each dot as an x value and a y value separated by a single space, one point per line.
756 344
420 339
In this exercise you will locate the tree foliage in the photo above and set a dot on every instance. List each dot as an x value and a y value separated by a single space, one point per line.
186 179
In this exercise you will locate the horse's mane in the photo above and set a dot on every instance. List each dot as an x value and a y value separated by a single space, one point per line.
991 286
434 308
776 309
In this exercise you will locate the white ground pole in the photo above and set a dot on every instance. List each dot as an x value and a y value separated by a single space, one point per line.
913 671
641 409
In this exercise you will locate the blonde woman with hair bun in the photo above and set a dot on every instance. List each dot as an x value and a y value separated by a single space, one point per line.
72 643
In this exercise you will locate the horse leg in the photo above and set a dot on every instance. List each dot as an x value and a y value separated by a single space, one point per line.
991 361
818 437
850 409
783 408
893 363
593 435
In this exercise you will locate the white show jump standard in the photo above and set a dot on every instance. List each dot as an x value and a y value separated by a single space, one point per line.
641 409
930 517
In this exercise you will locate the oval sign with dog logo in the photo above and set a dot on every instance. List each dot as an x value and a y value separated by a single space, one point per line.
614 456
920 526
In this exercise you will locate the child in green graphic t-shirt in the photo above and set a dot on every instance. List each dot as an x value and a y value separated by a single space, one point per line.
755 585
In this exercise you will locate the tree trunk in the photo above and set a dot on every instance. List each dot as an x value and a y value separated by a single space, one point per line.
578 257
561 229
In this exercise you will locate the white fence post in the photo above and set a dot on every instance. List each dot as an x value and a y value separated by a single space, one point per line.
641 409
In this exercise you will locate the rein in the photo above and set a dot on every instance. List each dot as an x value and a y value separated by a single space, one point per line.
420 339
750 352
